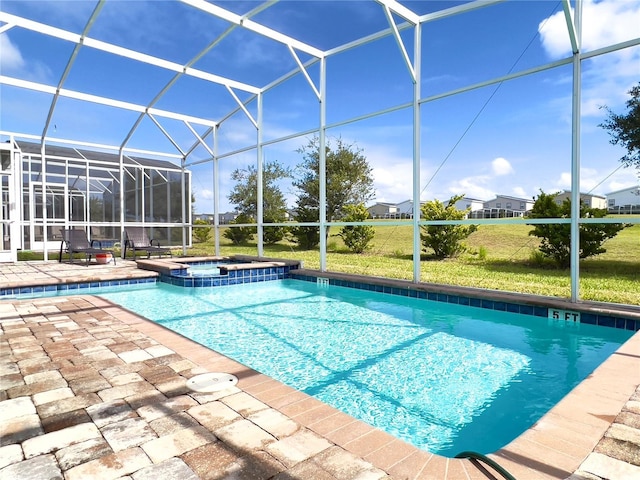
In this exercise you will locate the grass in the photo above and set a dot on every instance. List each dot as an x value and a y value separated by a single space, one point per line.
498 257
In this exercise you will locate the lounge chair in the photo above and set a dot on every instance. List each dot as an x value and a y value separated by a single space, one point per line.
76 241
137 239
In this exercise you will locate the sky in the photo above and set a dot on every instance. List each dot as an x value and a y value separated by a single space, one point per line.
511 138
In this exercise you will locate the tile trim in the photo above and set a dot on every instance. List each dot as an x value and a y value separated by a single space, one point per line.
74 287
604 320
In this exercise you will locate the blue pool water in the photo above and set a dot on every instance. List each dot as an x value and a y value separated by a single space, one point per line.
204 270
443 377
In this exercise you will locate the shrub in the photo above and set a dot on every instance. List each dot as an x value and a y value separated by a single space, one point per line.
556 238
444 240
272 235
537 258
357 238
201 234
306 237
240 235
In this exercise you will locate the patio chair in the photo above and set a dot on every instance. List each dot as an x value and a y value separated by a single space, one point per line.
76 241
137 239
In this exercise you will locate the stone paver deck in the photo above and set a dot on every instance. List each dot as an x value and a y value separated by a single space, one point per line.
90 390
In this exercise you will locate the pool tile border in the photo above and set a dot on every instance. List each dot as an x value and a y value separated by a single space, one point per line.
71 287
233 277
608 319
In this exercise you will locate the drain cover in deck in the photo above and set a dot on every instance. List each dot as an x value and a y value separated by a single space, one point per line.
211 382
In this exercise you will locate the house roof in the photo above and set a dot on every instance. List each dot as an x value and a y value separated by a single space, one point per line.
511 198
624 190
81 154
582 194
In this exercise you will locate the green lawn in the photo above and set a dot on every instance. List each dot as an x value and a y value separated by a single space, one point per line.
499 257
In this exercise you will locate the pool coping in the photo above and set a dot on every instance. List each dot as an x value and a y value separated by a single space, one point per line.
595 313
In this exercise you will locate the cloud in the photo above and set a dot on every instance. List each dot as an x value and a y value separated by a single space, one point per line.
597 28
606 78
595 181
501 166
206 194
13 63
389 185
519 192
11 58
616 185
474 187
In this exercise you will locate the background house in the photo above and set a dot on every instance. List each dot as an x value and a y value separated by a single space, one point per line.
626 200
405 209
383 210
504 206
588 199
207 217
472 204
225 218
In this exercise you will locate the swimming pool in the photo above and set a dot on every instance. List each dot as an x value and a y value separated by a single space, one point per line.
443 377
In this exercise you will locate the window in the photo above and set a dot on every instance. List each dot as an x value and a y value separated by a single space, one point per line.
522 206
612 202
508 204
498 204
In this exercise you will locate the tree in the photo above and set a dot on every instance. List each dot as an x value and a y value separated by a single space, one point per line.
240 235
556 238
444 240
349 179
356 237
201 234
625 129
306 237
245 196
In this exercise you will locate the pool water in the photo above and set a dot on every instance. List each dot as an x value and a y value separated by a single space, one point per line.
204 270
443 377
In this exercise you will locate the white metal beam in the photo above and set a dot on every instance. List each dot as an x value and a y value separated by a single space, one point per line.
39 87
449 12
417 245
172 82
6 27
260 178
403 50
215 10
222 36
400 10
89 144
304 71
70 62
166 134
124 52
254 26
575 156
242 106
195 144
199 139
571 27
